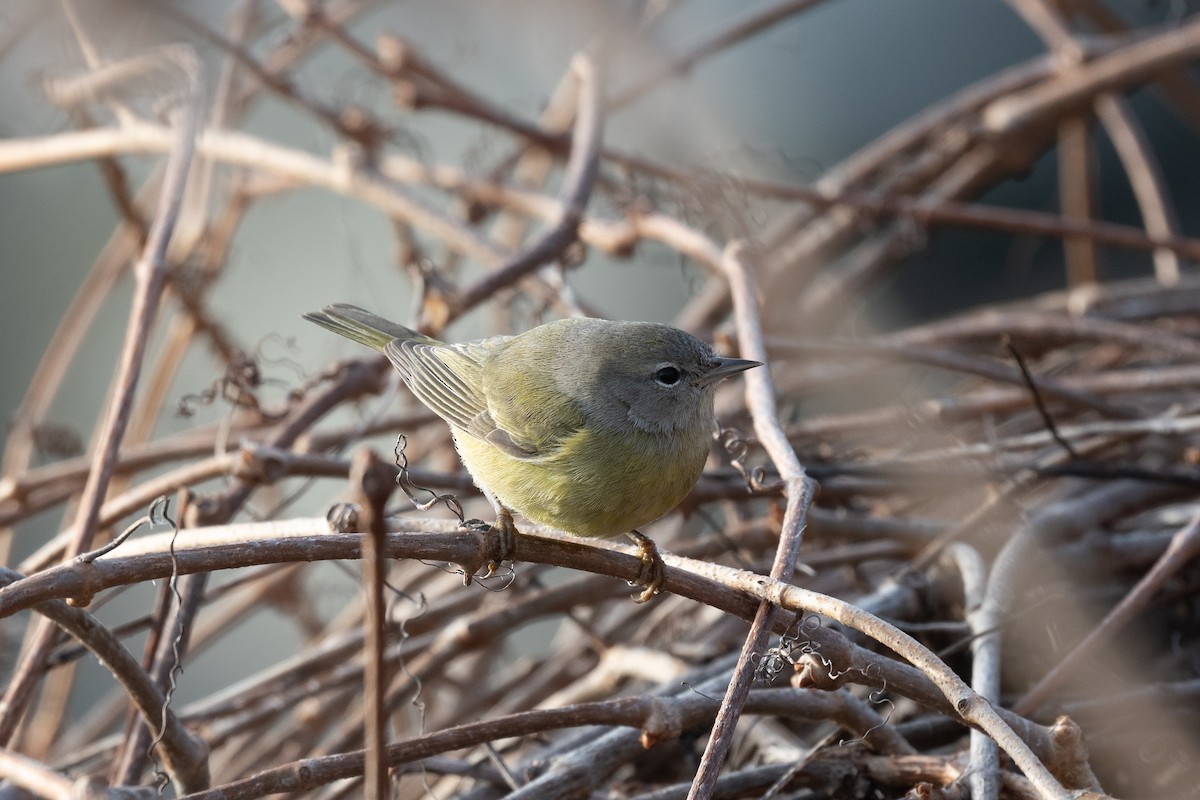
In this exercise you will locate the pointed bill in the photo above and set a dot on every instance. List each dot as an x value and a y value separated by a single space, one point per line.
724 367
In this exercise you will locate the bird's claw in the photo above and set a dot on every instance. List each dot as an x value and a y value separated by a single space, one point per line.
505 531
653 571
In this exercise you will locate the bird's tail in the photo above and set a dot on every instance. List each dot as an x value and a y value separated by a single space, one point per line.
362 326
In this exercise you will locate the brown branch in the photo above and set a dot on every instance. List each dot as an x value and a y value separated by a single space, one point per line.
150 276
374 481
185 757
1076 186
1183 549
799 490
578 180
247 151
1146 179
951 213
658 719
237 546
35 777
1122 69
30 491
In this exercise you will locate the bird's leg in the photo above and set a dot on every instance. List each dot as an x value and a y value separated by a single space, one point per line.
507 531
506 534
653 571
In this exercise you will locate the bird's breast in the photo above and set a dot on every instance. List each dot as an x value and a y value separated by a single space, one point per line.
597 482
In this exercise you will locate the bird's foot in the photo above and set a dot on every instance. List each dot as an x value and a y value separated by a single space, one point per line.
342 517
505 546
653 571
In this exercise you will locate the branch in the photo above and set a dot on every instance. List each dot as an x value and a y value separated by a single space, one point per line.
150 276
579 178
799 490
1122 69
185 757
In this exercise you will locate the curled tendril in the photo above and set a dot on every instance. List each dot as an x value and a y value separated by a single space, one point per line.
504 576
768 666
734 443
791 648
157 515
737 445
159 512
411 488
243 378
288 345
878 697
238 385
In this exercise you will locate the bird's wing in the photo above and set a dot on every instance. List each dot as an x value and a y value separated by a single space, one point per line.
530 417
452 381
446 378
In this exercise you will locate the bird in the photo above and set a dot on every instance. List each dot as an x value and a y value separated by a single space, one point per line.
589 426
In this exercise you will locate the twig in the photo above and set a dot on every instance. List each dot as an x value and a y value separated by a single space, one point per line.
578 180
248 151
1146 179
983 771
799 490
657 717
740 30
1076 185
35 777
975 710
186 757
234 546
1184 547
374 481
1043 412
150 275
1123 68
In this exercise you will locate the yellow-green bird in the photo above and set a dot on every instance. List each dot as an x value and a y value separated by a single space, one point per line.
588 426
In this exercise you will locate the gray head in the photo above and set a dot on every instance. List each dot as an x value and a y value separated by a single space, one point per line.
659 378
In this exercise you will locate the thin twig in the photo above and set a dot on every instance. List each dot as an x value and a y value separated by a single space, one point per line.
1043 412
579 178
150 275
1123 68
1184 547
374 481
799 490
185 756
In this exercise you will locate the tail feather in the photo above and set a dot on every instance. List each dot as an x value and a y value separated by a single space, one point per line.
362 326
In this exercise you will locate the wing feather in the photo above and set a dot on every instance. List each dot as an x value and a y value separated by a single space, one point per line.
483 402
445 378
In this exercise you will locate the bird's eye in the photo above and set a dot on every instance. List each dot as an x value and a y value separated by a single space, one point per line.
667 376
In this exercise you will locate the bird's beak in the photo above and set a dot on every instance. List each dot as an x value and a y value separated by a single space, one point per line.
726 367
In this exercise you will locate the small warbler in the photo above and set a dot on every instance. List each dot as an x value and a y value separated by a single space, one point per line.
589 426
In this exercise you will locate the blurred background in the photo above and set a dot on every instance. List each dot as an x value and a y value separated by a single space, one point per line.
787 106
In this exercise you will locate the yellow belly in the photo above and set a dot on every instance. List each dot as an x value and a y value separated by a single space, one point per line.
594 484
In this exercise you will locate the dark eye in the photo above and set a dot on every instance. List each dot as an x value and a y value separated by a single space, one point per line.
667 376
